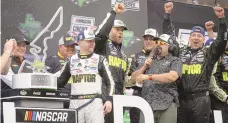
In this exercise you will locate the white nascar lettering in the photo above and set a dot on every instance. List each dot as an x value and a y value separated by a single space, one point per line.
49 118
38 116
52 116
44 116
65 115
59 117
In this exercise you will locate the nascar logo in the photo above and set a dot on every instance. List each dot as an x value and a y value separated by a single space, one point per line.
46 116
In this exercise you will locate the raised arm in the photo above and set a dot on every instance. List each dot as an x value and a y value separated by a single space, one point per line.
217 48
105 28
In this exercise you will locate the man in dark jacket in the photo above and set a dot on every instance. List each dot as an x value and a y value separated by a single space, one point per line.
198 63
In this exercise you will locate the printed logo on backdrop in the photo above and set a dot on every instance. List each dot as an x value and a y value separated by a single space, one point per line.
129 38
30 27
183 36
81 23
45 115
83 3
129 4
38 64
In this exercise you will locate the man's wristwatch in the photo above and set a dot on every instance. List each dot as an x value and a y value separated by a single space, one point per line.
150 77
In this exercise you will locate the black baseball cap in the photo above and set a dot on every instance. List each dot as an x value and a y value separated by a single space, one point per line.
20 38
67 40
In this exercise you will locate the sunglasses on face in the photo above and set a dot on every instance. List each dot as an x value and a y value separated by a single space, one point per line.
161 43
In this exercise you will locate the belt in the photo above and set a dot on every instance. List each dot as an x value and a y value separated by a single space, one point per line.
86 96
193 96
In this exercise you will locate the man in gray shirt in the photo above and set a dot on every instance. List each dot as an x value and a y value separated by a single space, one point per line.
159 89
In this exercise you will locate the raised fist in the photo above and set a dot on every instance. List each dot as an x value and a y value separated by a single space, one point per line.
168 7
219 12
119 8
209 25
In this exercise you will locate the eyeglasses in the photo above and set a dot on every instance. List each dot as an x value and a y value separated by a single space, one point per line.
161 43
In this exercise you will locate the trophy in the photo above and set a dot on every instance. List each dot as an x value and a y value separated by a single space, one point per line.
39 78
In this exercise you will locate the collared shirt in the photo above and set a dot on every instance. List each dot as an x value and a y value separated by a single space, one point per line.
55 63
161 95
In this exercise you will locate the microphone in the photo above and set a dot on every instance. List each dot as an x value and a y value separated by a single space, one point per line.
155 52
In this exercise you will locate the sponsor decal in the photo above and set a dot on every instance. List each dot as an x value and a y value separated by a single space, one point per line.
45 115
75 60
64 94
36 93
83 3
50 94
79 65
81 23
94 59
129 4
93 68
23 92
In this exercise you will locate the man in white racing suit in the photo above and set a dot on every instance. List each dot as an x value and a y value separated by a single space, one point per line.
92 81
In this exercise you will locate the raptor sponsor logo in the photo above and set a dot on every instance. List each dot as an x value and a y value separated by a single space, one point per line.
117 62
84 78
191 69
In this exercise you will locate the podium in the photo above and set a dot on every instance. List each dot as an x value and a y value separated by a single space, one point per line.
36 105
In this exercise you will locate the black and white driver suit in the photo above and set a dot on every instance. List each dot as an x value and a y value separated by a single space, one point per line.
91 80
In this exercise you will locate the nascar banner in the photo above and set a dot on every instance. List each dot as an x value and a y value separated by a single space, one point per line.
34 115
80 23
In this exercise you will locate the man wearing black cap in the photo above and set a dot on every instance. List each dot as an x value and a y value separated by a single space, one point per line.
198 63
136 61
5 59
92 81
66 48
17 59
159 88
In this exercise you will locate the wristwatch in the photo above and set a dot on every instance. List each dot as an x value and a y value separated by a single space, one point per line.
150 77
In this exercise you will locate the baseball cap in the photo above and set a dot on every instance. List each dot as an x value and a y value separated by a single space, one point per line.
87 35
150 32
164 38
119 23
20 38
67 40
198 29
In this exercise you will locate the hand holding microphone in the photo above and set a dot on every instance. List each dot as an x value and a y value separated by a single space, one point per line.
153 55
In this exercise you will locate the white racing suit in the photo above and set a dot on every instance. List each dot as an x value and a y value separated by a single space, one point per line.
92 81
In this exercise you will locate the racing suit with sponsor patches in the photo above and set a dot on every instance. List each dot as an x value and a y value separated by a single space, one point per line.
219 99
91 79
114 54
196 72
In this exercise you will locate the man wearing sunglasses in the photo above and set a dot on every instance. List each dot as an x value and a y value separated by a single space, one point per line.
159 88
198 63
136 62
